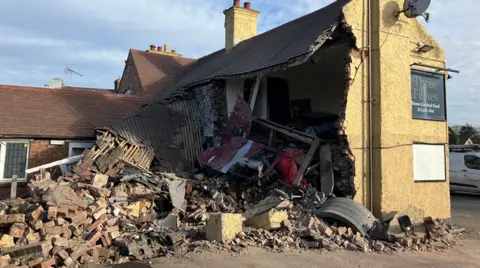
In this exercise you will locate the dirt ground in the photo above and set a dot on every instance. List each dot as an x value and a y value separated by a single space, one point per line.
466 254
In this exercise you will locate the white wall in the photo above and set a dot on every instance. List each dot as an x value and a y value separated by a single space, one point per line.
235 87
323 82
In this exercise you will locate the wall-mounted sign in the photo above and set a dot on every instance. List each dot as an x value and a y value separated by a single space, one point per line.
428 95
429 162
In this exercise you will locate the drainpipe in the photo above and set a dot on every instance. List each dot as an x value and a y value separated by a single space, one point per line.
370 97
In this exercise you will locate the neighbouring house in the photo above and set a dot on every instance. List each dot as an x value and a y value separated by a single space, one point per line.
363 68
466 141
42 125
147 72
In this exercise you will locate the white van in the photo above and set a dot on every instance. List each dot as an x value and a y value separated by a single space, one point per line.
465 171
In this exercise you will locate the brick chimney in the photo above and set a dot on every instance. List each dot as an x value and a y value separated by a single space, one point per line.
163 50
240 23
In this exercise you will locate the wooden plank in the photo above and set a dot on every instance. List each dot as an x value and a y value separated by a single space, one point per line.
306 162
307 138
270 138
326 170
65 161
13 189
253 97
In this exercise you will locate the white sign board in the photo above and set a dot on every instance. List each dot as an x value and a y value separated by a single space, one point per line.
429 162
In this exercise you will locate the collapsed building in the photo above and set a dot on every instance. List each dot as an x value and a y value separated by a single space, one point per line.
315 111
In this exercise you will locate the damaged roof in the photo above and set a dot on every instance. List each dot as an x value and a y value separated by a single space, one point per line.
270 51
31 112
156 71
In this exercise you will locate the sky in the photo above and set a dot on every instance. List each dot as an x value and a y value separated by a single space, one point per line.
39 39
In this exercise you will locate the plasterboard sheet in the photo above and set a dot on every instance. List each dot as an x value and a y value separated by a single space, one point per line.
429 162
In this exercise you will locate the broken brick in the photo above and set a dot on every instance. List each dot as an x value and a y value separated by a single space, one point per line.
100 180
52 212
99 213
62 211
94 237
35 214
60 241
46 264
96 224
36 225
55 230
17 230
11 219
6 242
35 261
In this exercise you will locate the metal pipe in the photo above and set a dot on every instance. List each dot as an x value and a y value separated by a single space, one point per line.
370 121
435 67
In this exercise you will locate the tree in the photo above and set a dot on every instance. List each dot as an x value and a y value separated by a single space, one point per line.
468 132
453 137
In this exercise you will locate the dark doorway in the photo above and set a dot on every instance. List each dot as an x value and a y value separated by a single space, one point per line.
278 100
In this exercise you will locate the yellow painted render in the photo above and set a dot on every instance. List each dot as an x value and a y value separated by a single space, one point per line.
240 25
394 130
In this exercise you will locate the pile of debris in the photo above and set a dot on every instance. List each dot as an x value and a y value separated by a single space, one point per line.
99 219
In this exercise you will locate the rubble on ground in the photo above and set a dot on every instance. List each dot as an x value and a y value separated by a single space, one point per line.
115 208
78 220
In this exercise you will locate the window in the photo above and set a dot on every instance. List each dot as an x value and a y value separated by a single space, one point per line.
13 159
472 162
77 148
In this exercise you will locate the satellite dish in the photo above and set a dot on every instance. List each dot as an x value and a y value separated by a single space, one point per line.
416 8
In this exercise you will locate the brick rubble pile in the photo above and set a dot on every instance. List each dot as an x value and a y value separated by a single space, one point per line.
95 219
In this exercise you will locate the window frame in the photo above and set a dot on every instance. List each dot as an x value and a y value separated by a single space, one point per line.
79 145
3 152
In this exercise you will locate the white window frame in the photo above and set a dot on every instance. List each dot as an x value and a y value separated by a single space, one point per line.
79 144
3 152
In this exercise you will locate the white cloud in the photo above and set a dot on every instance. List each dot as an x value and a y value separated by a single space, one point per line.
95 37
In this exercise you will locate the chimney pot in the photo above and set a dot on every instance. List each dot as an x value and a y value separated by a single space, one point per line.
152 47
236 3
159 48
166 48
247 5
174 51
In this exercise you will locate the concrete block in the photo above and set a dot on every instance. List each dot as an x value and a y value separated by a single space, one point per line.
416 215
100 180
271 220
223 226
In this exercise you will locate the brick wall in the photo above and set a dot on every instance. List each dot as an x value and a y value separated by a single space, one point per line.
130 80
41 152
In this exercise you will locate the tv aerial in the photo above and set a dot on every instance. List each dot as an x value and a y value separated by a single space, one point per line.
69 71
416 8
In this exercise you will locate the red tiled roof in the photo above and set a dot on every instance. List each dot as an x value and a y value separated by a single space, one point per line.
157 71
55 113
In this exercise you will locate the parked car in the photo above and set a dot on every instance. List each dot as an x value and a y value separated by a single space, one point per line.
465 171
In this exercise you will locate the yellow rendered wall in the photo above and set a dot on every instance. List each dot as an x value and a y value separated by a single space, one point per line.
394 130
240 25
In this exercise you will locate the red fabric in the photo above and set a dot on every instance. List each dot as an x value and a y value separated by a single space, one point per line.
288 167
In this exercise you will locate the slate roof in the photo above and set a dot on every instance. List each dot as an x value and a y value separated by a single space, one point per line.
30 112
275 48
156 71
